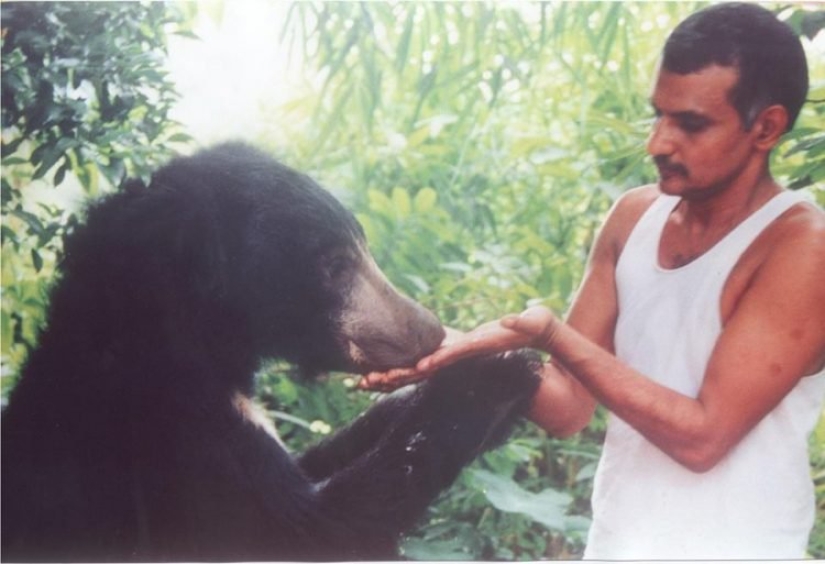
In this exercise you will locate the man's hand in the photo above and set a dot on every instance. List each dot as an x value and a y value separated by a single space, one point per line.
398 377
390 380
534 328
537 323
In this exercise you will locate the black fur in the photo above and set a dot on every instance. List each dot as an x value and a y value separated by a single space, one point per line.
122 440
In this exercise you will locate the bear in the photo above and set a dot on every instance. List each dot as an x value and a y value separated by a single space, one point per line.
132 433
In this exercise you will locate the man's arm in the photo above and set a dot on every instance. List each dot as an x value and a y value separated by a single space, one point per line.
774 336
562 406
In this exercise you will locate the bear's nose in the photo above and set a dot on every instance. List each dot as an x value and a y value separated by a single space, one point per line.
426 332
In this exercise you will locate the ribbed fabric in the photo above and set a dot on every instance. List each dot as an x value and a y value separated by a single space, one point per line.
756 503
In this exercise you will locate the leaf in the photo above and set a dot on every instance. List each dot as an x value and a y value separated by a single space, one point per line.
425 200
379 202
180 138
419 283
548 507
401 202
6 331
418 136
10 161
403 49
60 175
435 550
34 223
37 260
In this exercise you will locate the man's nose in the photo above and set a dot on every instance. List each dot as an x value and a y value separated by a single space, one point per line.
660 140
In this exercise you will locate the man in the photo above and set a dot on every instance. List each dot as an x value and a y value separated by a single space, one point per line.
700 322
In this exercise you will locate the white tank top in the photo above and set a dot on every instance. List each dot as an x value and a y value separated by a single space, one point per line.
758 502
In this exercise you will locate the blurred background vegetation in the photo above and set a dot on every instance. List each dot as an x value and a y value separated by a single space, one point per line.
480 145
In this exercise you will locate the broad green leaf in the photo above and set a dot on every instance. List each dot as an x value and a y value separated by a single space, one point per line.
425 200
401 202
548 507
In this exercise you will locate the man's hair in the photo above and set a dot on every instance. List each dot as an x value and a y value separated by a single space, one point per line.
764 50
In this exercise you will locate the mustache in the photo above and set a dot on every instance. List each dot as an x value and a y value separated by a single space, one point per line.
666 167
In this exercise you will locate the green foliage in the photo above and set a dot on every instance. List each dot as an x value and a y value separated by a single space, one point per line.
801 157
85 102
816 547
305 411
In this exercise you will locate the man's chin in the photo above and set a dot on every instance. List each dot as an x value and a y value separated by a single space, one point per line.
671 186
674 186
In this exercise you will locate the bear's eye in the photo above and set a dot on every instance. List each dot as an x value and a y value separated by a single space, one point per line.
336 266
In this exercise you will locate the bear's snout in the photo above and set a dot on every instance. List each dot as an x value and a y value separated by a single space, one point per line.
382 328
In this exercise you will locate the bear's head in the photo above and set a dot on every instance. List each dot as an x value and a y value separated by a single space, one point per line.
232 251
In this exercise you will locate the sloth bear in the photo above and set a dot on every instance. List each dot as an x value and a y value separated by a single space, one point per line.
131 434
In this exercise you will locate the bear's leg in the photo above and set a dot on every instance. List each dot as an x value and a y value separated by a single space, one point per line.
379 475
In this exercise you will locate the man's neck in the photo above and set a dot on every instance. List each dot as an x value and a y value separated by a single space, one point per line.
728 206
697 224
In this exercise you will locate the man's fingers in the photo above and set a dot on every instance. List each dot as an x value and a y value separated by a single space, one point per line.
391 380
511 321
448 355
511 332
538 322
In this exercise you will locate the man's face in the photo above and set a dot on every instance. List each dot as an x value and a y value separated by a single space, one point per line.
698 141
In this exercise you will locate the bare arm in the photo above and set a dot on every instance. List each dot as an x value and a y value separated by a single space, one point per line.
774 336
561 406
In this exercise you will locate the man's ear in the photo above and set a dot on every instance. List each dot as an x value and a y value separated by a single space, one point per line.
769 126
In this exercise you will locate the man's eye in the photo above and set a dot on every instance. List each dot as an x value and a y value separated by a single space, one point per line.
693 125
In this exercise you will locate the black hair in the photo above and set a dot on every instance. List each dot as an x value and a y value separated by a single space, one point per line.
765 51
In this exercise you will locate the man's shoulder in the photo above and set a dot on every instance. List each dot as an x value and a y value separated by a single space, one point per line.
804 222
792 245
636 200
626 212
810 215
